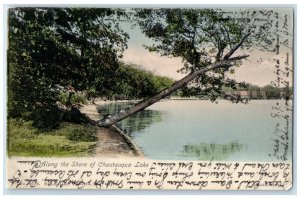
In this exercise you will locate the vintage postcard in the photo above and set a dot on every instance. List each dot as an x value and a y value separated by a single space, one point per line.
150 98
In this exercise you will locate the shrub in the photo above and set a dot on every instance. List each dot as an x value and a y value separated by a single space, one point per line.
82 134
46 118
75 98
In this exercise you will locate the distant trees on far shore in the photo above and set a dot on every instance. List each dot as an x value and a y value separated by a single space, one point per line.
248 91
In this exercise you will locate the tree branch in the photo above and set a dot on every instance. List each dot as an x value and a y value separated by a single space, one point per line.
227 33
238 57
228 55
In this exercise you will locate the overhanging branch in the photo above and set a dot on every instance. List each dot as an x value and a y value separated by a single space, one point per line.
228 55
238 57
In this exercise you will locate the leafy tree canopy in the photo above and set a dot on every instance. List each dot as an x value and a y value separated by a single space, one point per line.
77 47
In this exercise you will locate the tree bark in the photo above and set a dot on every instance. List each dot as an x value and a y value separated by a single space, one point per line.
116 117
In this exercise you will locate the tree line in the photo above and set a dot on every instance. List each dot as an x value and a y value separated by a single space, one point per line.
248 91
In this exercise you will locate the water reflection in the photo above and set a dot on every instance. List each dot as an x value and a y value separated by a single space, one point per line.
135 123
213 151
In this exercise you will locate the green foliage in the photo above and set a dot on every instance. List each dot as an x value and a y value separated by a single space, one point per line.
133 82
91 93
25 140
63 97
46 117
162 82
50 146
82 134
254 92
78 47
187 33
271 92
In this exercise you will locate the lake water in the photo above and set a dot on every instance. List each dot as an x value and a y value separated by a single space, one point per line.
202 130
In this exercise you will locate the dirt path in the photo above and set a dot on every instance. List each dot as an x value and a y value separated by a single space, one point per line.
112 142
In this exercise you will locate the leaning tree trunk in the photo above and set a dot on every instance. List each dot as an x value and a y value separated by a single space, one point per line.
116 117
226 62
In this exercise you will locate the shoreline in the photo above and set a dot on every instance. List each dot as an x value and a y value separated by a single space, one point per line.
112 141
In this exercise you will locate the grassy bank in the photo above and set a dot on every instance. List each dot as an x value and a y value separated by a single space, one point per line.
68 140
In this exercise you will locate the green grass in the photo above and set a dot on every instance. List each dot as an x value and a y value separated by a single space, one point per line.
25 140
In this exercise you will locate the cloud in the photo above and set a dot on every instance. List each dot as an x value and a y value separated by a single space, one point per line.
261 72
160 65
258 69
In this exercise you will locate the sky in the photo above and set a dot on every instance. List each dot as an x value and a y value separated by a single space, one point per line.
258 69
